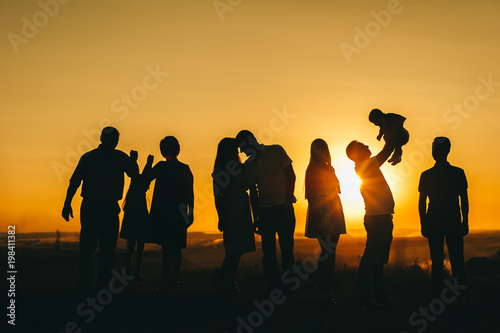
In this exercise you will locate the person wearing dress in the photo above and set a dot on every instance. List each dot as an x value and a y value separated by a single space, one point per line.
325 216
135 220
233 208
171 209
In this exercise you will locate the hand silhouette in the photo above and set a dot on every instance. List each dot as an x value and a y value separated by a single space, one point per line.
134 155
67 212
151 159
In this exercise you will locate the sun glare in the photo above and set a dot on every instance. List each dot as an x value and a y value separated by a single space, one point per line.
352 200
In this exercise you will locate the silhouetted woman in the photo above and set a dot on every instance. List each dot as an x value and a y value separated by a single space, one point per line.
135 219
233 208
171 209
325 216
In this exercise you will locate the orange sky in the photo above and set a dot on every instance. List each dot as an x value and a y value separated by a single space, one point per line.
290 71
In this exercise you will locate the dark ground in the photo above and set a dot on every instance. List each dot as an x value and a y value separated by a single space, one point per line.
47 298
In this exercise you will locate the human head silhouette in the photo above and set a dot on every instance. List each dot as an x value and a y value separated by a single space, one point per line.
247 142
357 152
227 150
376 116
441 148
320 154
169 146
110 137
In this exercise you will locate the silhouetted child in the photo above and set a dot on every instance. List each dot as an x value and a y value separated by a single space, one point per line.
171 209
392 130
135 219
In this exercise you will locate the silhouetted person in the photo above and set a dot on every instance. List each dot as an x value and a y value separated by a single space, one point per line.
233 209
102 172
270 175
379 207
135 224
447 215
325 216
392 130
171 209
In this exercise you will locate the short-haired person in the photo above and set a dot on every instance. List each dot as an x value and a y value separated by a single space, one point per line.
171 209
102 172
271 179
447 215
379 207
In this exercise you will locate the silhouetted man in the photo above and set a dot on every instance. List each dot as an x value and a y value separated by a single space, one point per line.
102 172
271 177
447 215
379 207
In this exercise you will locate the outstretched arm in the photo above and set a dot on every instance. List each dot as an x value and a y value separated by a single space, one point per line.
384 153
464 205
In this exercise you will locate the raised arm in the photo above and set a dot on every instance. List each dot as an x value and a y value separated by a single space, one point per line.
384 153
132 169
464 205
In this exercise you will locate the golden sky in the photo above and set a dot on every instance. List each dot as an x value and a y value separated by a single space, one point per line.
289 71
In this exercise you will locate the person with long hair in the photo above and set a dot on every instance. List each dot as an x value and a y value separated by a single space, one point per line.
233 208
325 216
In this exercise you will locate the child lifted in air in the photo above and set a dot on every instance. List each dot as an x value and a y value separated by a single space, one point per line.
391 128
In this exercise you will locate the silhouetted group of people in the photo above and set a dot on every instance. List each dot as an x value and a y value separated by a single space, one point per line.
257 197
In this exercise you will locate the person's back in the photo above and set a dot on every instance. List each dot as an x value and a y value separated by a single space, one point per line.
444 183
266 170
171 209
447 214
173 186
102 172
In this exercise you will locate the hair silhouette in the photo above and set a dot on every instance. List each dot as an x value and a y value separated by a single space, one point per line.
169 146
320 154
227 151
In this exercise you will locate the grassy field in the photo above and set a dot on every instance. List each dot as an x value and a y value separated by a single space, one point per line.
47 299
